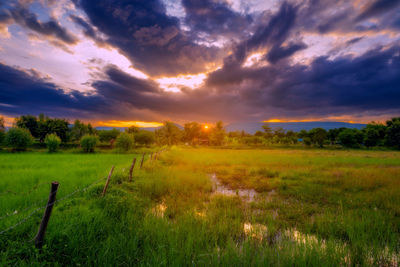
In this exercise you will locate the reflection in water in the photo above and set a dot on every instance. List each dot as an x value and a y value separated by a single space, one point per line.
159 210
219 188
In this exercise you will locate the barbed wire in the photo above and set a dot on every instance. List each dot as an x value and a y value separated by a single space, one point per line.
7 192
50 204
16 212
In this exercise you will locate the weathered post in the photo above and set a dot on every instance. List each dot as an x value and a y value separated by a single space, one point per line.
151 156
39 239
141 163
131 169
107 182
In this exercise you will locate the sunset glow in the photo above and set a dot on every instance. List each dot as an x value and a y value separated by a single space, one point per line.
141 124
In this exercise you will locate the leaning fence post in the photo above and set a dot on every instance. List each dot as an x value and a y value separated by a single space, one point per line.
107 182
131 169
141 163
39 239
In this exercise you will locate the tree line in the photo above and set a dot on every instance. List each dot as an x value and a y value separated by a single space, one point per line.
55 131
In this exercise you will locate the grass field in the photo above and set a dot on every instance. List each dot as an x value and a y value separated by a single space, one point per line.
311 207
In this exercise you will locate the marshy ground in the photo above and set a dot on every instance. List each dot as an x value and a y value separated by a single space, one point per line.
197 206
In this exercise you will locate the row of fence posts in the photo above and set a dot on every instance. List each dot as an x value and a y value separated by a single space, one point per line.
39 238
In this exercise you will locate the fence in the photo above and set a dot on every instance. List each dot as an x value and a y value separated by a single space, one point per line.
39 238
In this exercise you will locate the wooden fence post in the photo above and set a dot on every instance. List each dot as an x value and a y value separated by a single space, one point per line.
141 163
107 182
151 156
39 239
131 169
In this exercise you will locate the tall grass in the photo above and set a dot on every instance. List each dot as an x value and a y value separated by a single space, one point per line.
314 207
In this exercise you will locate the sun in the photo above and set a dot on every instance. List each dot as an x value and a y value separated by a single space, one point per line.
205 127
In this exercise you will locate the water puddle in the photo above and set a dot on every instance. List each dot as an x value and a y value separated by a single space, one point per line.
256 230
159 210
219 188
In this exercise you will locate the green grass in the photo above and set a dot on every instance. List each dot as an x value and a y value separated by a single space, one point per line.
313 207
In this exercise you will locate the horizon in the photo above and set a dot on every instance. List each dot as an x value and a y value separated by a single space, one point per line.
119 63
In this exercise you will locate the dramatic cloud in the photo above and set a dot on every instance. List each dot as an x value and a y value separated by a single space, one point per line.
144 33
52 28
231 60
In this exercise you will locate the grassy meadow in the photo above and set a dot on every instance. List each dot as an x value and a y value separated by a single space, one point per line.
310 208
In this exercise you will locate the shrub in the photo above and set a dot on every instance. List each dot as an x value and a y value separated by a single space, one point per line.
18 138
52 142
124 142
88 143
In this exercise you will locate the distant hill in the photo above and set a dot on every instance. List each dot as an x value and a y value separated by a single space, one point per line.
252 127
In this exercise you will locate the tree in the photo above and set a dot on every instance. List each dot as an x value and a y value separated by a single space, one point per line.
144 138
18 138
267 130
259 134
374 134
169 134
88 143
124 142
78 130
279 132
393 132
217 134
318 136
192 131
28 122
2 130
351 137
57 126
108 135
132 130
52 142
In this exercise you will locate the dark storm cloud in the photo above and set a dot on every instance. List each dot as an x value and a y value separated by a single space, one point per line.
151 39
27 19
23 92
376 8
368 82
214 17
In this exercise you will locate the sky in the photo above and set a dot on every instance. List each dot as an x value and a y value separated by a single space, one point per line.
120 62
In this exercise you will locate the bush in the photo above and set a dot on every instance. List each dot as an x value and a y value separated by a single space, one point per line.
18 138
124 142
52 142
88 143
144 138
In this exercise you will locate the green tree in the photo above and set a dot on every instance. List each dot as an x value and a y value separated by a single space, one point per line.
374 134
192 131
393 132
78 130
318 136
351 138
18 138
2 130
57 126
28 122
132 130
267 130
108 135
218 134
144 138
52 142
88 143
169 134
124 142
